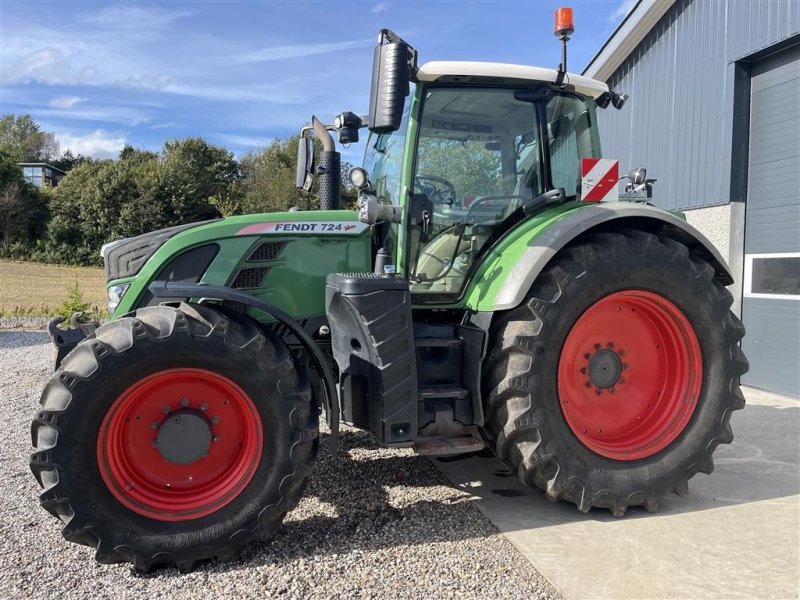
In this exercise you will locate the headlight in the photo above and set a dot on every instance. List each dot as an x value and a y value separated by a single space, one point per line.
115 294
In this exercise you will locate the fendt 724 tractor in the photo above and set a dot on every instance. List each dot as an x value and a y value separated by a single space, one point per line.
478 298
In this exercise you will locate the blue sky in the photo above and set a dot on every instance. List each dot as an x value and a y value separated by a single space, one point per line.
101 75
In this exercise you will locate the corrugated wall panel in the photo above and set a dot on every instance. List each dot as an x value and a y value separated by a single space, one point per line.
771 339
677 122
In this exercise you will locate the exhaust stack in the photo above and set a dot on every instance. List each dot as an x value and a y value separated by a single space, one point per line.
329 169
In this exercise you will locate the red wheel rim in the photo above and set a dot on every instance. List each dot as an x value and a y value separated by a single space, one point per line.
141 478
629 375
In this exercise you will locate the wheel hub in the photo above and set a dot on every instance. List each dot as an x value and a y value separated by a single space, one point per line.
605 369
184 437
179 444
630 375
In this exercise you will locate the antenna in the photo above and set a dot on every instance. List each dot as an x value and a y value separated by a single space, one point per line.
564 28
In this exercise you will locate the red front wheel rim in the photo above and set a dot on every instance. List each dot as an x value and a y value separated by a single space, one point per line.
208 414
630 375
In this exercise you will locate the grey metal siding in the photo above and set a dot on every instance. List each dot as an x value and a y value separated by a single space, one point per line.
772 221
678 120
772 344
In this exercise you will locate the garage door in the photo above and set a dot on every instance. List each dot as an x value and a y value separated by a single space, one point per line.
771 286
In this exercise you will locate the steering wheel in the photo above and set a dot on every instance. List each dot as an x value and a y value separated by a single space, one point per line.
489 199
437 189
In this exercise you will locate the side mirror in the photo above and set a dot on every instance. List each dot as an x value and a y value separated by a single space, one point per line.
393 65
619 100
305 163
637 176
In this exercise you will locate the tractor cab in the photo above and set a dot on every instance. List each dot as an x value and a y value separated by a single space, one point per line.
485 141
480 148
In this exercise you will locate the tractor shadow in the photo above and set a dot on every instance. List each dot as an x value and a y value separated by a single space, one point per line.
367 498
762 463
364 499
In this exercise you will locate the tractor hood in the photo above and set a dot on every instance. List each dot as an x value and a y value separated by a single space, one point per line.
125 257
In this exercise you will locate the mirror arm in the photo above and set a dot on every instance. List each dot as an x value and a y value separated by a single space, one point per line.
534 205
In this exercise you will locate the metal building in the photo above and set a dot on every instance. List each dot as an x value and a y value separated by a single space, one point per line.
714 115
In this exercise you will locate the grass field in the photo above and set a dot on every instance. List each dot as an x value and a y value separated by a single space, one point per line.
36 290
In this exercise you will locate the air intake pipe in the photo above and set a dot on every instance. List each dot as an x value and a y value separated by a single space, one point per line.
329 169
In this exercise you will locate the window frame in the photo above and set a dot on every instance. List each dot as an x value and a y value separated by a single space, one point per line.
747 283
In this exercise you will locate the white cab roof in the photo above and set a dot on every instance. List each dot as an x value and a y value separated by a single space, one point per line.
431 71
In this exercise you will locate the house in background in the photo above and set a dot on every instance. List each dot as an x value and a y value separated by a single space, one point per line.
714 115
41 174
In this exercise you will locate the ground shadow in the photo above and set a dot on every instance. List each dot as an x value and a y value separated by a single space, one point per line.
356 492
22 339
762 463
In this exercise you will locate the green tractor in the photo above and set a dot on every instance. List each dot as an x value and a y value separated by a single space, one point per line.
478 298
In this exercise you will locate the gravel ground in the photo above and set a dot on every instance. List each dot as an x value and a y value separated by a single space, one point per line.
374 523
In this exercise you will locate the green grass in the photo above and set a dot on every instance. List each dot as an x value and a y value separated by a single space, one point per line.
29 289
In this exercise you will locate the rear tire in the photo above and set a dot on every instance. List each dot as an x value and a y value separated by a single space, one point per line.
539 415
104 477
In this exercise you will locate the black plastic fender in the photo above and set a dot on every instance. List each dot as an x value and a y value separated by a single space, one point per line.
164 289
629 215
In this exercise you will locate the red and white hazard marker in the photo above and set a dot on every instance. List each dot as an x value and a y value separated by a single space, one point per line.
599 180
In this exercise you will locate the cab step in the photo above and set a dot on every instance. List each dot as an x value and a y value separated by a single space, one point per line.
434 342
441 391
438 446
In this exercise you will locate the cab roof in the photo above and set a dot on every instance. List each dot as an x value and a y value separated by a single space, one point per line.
433 71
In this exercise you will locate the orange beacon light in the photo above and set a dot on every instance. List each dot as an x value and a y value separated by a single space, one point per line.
564 23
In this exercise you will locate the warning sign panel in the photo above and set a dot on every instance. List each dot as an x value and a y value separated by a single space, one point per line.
599 180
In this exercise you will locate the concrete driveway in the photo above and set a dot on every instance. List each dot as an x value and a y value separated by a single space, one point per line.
736 535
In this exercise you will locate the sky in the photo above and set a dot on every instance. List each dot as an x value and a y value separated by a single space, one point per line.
104 74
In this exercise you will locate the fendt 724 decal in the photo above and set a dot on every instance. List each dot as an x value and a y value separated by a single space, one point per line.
312 227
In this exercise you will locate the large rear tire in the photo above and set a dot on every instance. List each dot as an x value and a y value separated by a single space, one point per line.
614 382
173 436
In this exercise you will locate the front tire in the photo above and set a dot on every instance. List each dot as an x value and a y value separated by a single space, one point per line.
173 436
601 405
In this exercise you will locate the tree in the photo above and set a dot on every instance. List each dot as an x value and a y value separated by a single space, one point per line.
191 173
22 138
14 133
12 211
467 164
23 208
67 160
268 179
104 200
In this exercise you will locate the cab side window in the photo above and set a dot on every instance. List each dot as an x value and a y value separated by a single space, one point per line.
569 135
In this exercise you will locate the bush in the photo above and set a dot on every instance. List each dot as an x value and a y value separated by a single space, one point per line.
74 302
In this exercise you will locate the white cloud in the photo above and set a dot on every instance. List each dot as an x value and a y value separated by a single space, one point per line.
296 51
66 102
622 10
380 7
97 144
249 142
140 18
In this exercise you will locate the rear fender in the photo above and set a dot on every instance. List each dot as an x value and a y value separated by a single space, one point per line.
544 242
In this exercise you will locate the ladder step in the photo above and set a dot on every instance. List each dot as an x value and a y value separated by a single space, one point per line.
454 445
428 342
443 391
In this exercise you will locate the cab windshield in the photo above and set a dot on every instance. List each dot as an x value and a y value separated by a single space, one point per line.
480 156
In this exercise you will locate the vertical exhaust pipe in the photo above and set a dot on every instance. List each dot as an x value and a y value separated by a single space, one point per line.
329 169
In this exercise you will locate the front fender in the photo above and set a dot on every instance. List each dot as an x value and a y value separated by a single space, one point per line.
504 279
